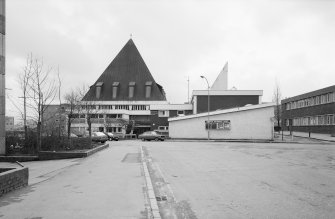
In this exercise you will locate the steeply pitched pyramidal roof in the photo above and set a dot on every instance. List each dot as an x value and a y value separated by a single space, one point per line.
221 82
127 69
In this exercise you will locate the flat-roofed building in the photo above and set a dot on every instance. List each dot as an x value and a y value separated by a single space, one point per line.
249 122
310 112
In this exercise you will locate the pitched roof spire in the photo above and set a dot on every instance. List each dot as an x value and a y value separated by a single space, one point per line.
221 82
127 66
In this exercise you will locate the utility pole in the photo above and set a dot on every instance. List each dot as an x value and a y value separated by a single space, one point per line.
2 78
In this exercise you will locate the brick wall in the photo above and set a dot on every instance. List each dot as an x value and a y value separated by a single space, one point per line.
11 179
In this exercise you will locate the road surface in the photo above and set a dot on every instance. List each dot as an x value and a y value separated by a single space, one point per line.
191 180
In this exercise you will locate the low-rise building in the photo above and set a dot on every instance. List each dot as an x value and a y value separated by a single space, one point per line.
248 122
310 112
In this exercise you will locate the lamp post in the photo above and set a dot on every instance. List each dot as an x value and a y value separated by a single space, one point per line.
207 106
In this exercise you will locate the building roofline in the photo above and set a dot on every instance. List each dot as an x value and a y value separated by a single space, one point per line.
227 92
310 94
171 107
224 111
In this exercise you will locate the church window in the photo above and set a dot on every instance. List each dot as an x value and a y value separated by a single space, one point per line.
148 85
98 89
115 89
131 89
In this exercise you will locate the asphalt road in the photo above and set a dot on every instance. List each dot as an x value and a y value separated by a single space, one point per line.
191 180
244 180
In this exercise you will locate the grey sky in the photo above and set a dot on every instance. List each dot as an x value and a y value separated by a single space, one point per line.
292 42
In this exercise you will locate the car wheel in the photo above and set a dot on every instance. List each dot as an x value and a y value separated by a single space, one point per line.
156 139
103 141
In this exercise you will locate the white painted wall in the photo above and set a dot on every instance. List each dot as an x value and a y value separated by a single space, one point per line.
247 124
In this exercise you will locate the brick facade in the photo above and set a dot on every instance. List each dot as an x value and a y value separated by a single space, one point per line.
310 112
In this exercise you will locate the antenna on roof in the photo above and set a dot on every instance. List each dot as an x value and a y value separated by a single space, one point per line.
131 35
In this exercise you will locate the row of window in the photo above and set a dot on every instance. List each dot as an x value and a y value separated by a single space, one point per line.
313 120
97 116
161 113
131 89
117 107
114 129
311 101
166 113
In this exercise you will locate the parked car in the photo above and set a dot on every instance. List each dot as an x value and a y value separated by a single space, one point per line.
72 135
99 137
111 136
151 135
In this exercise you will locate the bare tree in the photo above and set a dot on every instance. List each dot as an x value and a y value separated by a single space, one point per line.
72 99
42 91
277 100
90 108
24 79
60 104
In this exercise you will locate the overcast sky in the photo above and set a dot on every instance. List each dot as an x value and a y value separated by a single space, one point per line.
292 42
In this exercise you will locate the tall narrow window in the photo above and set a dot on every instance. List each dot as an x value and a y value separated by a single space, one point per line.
115 89
148 85
131 89
98 87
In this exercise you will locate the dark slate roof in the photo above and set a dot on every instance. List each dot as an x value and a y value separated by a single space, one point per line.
128 66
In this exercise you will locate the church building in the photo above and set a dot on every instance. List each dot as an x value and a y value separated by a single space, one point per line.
126 94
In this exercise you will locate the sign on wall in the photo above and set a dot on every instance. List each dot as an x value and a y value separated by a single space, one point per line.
218 124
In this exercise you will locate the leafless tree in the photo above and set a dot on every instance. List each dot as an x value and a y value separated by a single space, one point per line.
60 131
89 107
72 100
277 100
24 79
42 91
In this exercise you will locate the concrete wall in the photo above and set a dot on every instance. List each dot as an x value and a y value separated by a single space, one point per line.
249 124
2 78
13 179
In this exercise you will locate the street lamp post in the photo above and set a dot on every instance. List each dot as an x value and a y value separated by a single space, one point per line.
207 106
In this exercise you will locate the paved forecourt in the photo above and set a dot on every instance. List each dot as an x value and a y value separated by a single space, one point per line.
245 180
108 184
190 180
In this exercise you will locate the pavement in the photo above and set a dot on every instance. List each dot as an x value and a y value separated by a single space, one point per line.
108 184
189 179
316 136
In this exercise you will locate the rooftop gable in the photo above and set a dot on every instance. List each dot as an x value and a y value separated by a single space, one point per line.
127 67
